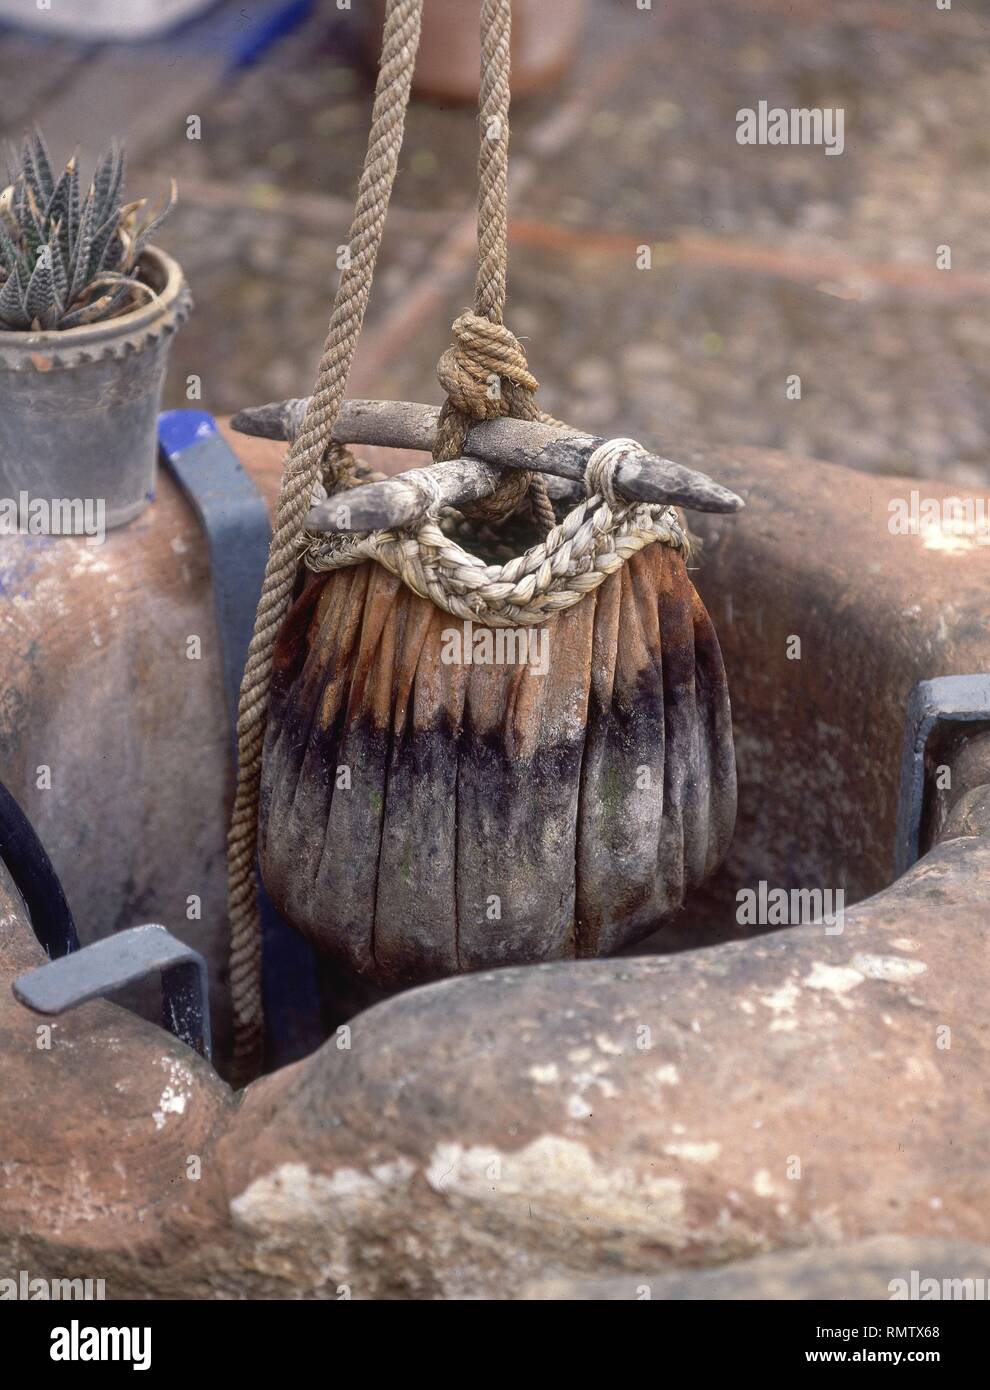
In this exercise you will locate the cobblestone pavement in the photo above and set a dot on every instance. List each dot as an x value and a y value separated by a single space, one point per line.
766 261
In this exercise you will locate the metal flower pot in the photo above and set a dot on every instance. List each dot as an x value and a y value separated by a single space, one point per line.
78 409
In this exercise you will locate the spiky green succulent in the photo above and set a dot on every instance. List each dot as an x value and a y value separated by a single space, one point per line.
65 259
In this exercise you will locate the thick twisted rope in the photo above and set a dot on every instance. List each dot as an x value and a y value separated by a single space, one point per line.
302 470
485 372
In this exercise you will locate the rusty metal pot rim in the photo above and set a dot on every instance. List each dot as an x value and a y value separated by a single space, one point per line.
161 267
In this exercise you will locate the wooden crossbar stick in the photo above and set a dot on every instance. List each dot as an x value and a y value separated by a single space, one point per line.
403 500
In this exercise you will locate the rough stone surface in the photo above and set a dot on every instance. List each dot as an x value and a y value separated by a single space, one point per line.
504 1128
480 1134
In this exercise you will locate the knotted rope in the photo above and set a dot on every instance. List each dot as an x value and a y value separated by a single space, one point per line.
483 367
484 374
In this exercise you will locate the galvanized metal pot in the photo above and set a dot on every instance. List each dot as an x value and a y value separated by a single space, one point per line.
78 409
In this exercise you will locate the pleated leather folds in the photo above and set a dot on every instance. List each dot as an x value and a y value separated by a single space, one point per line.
421 817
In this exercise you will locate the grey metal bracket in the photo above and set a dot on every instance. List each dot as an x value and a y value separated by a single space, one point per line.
121 960
947 699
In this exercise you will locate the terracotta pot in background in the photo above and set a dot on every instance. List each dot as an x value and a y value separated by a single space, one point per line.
544 37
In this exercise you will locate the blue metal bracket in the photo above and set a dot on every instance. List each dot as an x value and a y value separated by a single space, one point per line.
120 960
234 519
947 699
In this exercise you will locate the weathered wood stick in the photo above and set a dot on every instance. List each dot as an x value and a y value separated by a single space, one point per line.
392 424
405 499
554 450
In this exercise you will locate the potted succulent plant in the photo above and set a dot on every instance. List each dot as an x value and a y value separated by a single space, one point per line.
87 306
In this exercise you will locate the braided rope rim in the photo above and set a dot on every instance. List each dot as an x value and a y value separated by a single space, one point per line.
594 540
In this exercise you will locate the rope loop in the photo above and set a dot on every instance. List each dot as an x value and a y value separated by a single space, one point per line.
599 472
